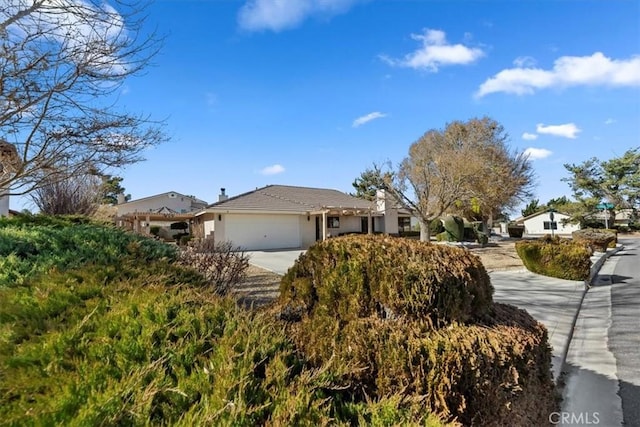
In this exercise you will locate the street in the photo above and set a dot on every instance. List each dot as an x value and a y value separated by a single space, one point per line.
624 334
602 384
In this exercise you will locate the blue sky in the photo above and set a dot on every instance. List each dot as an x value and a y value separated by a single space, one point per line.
313 92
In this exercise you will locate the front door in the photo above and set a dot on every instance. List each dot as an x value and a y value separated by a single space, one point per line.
364 221
318 229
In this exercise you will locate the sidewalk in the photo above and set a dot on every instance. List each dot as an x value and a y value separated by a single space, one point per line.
553 302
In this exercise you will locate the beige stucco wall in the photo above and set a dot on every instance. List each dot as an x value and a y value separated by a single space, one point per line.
308 230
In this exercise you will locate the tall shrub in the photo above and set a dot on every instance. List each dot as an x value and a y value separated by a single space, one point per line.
556 257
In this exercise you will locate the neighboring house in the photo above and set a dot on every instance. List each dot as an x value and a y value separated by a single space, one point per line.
4 205
282 216
623 217
169 202
540 223
160 209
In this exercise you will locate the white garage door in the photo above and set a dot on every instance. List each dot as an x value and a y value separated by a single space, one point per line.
256 232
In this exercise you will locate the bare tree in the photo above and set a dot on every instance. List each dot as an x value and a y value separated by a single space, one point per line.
62 64
77 195
466 165
504 177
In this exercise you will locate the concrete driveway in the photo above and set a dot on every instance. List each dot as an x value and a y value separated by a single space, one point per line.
277 261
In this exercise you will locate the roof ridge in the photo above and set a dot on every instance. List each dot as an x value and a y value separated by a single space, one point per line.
298 202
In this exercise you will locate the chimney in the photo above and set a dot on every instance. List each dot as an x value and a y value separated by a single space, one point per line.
222 197
120 199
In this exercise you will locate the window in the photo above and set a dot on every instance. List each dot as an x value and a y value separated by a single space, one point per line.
404 223
333 222
550 225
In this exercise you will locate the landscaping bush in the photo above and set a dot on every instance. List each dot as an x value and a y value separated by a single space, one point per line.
34 244
360 276
436 227
596 239
482 238
221 264
556 257
493 372
121 335
389 317
454 225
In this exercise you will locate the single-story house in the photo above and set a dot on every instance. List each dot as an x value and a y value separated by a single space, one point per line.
159 210
283 216
622 218
541 223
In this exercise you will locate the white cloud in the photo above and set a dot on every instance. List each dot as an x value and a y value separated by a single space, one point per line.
529 136
278 15
367 118
524 62
435 52
594 70
609 121
568 130
272 170
537 153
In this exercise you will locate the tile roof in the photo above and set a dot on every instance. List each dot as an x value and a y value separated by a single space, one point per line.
291 199
193 198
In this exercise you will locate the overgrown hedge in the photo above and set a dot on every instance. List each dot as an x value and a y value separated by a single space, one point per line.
596 239
366 275
417 319
120 335
556 257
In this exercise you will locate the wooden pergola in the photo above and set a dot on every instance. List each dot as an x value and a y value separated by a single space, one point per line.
326 211
139 222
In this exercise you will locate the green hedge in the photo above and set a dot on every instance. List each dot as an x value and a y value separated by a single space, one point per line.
556 257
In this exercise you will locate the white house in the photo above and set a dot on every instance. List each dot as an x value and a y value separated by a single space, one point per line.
540 223
282 216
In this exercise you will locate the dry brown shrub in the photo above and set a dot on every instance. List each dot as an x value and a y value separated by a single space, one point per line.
406 318
360 276
220 263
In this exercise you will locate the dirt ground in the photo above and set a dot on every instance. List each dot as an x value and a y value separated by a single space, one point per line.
262 286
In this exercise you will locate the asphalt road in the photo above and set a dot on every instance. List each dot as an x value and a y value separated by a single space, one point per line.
624 333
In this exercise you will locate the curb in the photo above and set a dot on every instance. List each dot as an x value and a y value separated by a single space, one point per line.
595 268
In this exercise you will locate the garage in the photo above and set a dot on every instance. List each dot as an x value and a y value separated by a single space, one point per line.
258 232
